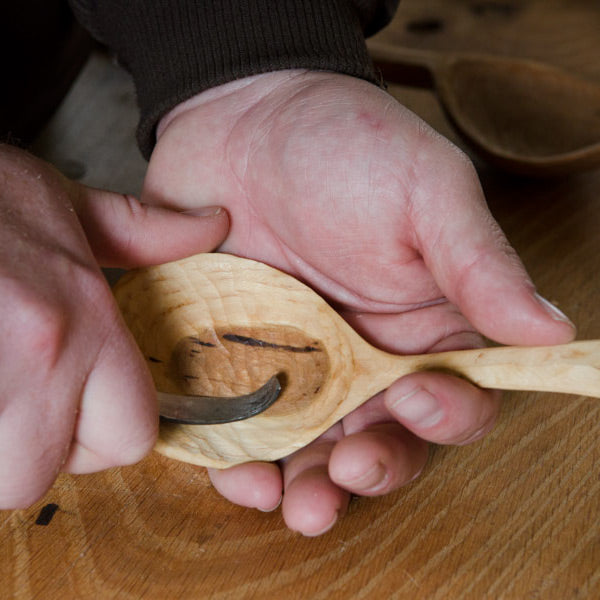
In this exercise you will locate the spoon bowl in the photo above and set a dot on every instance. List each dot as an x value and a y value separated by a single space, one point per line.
220 325
522 116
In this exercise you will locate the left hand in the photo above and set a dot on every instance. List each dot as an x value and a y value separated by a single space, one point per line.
329 179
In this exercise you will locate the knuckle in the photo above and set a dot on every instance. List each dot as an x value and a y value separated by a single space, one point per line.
41 329
40 320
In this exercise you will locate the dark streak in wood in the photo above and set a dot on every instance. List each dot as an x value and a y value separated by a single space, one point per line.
201 342
248 341
154 359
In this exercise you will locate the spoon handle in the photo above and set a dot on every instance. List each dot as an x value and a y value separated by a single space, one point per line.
568 368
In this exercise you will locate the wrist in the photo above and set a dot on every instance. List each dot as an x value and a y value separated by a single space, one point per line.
179 49
240 94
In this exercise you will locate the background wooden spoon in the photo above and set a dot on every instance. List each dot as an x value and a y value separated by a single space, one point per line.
522 116
219 325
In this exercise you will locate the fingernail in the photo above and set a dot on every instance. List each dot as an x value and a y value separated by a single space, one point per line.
553 311
373 480
416 475
419 407
203 211
324 530
271 508
476 436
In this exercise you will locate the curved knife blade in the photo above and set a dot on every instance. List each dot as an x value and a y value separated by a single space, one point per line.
210 410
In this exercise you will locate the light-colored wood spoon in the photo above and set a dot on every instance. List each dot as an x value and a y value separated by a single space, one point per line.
219 325
523 116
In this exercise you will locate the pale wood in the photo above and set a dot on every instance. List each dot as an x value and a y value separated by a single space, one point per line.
521 115
183 315
512 517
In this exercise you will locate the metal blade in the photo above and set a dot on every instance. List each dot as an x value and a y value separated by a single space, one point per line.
209 410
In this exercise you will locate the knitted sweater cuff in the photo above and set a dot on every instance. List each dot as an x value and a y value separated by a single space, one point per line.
180 48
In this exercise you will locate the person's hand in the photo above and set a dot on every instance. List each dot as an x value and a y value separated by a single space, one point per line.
330 179
75 393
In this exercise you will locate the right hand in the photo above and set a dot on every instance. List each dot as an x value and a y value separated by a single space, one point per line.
75 393
329 179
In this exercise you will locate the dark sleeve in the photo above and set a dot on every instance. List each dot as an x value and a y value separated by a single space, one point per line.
175 49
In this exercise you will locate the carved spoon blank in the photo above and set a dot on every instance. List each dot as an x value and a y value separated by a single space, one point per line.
219 325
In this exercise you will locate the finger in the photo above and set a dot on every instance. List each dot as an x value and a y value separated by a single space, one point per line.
117 423
312 503
39 393
474 264
123 232
441 326
254 485
377 460
463 411
442 408
34 439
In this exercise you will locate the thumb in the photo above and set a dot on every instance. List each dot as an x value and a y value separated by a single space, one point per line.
123 232
478 270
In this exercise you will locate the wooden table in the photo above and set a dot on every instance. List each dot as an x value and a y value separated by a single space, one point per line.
514 516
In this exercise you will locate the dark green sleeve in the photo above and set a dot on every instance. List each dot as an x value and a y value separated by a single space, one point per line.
175 49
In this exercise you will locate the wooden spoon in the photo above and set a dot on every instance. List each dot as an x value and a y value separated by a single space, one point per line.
219 325
522 116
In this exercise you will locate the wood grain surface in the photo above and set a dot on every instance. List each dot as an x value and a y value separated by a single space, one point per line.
213 324
514 516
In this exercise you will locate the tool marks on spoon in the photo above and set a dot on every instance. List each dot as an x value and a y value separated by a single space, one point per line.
233 361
